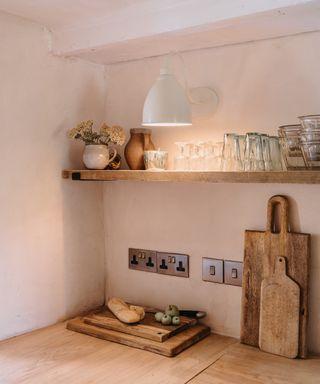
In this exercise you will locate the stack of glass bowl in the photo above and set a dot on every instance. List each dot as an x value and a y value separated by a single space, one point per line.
310 140
289 138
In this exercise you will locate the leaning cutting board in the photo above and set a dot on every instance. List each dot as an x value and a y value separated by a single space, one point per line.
260 253
147 328
170 347
279 313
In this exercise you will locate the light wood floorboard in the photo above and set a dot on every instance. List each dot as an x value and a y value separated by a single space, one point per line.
56 355
247 365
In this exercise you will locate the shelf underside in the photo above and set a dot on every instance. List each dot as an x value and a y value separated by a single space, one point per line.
286 177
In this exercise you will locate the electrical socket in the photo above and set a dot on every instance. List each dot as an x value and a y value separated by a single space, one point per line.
143 260
174 264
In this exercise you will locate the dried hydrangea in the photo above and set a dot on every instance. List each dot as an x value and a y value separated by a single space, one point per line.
83 131
115 133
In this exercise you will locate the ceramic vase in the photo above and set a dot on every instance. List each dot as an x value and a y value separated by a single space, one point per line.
97 156
140 141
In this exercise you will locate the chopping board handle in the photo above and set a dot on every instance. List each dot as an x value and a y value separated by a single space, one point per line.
284 213
280 266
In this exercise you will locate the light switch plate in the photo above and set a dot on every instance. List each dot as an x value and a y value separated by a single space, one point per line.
233 272
212 270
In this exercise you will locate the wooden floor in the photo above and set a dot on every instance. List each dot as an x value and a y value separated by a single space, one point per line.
56 355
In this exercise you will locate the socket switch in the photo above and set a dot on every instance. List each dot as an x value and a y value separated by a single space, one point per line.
233 272
143 260
212 270
173 264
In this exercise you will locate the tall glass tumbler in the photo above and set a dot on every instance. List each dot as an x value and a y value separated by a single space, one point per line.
180 159
275 153
253 157
231 160
265 143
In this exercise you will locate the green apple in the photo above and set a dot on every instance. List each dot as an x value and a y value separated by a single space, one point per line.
166 319
158 316
176 320
172 310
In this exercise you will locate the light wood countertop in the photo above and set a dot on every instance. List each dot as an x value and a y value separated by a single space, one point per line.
56 355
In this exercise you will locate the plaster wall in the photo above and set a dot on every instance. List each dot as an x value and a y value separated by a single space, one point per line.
261 85
51 239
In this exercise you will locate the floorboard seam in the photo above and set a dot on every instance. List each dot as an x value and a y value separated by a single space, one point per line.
208 366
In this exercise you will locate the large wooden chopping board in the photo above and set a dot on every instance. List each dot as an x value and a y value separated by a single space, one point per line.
279 313
147 328
170 347
261 250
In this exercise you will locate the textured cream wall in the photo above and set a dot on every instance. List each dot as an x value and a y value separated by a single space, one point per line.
51 239
261 86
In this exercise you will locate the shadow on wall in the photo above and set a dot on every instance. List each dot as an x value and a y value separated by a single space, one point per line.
83 244
82 216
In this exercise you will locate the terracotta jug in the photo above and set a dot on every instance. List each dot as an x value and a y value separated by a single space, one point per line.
140 141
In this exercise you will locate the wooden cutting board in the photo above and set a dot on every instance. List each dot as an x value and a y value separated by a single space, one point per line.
279 313
147 328
261 250
170 347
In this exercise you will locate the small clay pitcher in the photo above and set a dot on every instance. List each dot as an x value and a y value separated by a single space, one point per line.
140 141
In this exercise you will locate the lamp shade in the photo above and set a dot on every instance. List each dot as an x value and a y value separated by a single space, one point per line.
166 103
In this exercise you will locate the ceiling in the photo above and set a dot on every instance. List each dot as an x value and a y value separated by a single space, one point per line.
63 13
110 31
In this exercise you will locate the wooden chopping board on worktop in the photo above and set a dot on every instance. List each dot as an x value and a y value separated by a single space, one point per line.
261 251
147 328
173 341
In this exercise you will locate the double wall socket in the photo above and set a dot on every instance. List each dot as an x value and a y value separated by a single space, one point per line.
143 260
173 264
222 271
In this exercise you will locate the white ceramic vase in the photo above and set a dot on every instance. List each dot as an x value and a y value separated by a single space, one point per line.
97 156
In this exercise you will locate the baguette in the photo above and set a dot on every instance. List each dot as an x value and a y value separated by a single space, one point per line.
124 313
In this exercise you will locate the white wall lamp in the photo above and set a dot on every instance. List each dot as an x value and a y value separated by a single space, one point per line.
168 103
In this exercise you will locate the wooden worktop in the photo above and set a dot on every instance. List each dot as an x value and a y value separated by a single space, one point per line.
56 355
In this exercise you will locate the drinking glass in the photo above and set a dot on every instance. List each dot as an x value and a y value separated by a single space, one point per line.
275 153
242 145
231 160
266 152
194 157
253 158
217 152
181 160
209 158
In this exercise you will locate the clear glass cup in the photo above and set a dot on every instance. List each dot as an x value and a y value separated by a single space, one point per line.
242 146
209 158
253 158
231 160
194 157
275 153
266 152
217 151
289 138
310 122
311 153
180 159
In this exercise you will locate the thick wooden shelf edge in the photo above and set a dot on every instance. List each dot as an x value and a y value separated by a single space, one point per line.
285 177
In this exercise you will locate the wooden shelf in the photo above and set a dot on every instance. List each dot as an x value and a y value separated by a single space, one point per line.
285 177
